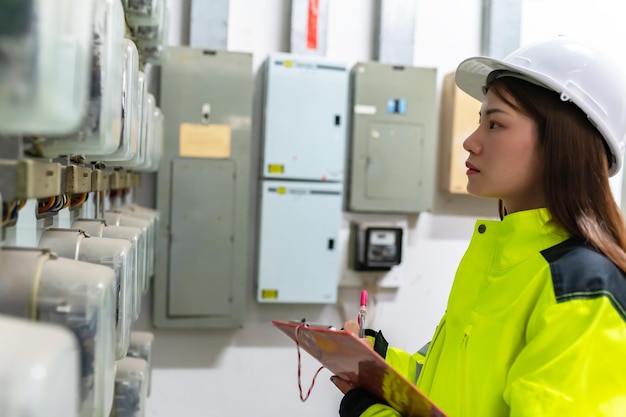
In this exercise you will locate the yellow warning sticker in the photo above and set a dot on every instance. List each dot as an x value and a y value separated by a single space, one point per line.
269 294
276 168
281 190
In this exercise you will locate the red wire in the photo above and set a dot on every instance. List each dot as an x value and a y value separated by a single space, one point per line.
78 199
43 207
302 397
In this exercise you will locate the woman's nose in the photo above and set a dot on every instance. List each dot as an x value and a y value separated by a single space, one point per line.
472 143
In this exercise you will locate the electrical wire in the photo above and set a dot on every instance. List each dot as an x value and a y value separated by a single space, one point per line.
113 194
59 202
77 200
44 205
8 210
67 200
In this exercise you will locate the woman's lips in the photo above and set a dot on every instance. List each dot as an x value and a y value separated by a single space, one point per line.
471 169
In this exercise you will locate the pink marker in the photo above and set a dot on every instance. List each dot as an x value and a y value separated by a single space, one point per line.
362 314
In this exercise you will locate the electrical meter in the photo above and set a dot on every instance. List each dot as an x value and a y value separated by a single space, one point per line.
146 24
158 142
45 48
148 106
149 137
79 296
117 217
150 51
375 248
99 228
154 143
130 110
131 387
141 347
153 216
145 8
100 130
144 107
38 382
114 253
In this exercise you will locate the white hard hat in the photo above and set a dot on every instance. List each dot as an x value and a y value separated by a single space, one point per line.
580 73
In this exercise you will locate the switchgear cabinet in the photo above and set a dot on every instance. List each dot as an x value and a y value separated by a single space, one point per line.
304 129
203 189
393 141
298 248
303 159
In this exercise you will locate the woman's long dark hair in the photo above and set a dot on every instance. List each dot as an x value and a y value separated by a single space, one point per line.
575 167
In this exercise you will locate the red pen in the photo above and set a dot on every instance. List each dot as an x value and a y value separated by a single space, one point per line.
362 314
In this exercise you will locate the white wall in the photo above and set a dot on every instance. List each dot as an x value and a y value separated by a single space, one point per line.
252 371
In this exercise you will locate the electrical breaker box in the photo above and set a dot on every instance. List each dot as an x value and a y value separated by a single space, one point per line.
304 129
298 248
203 189
303 160
393 142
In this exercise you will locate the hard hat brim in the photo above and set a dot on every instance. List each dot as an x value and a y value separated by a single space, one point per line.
471 77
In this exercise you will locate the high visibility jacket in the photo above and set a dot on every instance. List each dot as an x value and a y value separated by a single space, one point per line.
535 326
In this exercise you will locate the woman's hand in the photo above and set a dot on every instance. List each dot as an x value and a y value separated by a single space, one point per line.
343 385
352 327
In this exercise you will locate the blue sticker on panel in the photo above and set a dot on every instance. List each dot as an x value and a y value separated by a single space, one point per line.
396 106
401 106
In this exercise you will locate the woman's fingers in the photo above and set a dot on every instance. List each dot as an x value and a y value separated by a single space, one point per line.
351 326
343 385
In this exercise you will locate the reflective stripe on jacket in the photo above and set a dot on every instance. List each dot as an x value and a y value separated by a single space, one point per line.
535 326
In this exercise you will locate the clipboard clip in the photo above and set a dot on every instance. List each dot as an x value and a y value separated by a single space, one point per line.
311 324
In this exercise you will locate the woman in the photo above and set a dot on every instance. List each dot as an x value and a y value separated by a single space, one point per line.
536 318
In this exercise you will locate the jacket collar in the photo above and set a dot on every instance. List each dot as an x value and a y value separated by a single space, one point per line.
518 236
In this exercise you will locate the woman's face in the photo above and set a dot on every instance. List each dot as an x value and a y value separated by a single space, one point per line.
504 157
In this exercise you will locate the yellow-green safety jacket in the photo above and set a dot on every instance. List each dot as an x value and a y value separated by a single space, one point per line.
535 326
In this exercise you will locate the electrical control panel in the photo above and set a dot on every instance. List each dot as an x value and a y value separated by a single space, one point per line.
298 248
393 141
302 171
304 118
203 189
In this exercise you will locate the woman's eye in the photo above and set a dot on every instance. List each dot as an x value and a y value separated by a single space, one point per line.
493 125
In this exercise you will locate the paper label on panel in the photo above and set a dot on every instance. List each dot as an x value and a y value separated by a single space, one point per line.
364 109
204 141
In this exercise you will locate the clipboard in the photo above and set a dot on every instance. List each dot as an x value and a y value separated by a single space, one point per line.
343 354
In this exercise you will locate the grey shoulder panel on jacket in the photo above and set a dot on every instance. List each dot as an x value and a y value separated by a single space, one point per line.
580 271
